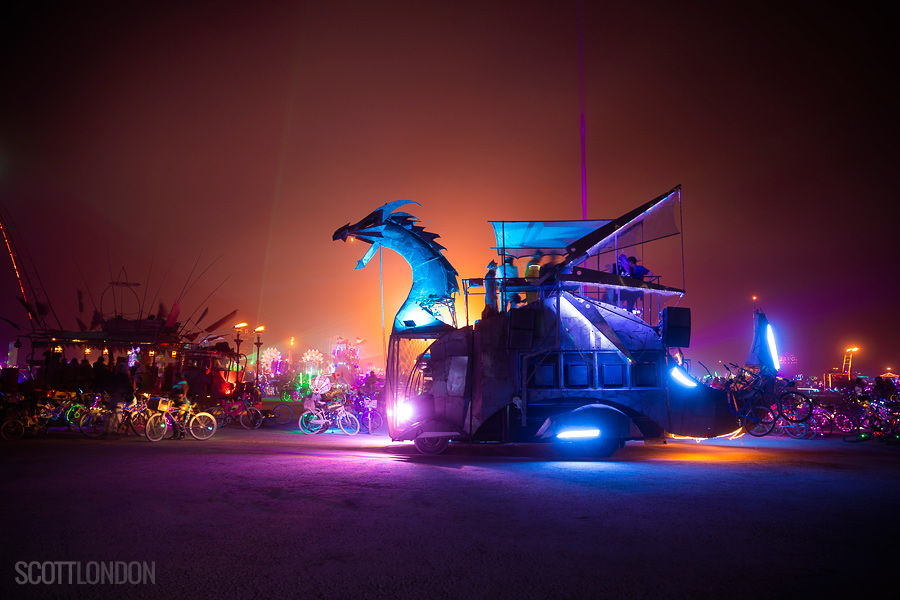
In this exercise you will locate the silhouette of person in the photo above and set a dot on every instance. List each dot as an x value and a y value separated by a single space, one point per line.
507 272
490 286
532 272
636 271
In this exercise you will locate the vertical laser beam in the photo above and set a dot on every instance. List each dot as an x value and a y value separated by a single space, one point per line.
583 129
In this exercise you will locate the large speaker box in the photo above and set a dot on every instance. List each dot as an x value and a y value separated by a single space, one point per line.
521 329
676 327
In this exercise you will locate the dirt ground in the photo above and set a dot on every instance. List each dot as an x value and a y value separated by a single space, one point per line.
273 513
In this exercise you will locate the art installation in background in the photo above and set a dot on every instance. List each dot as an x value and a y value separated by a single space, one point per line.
429 305
575 363
319 385
346 359
118 322
270 363
312 361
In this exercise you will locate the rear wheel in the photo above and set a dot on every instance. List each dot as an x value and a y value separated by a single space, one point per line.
844 422
202 426
431 445
371 420
218 413
283 414
313 421
797 431
796 407
74 414
157 426
251 418
759 421
821 425
12 429
137 421
92 424
348 423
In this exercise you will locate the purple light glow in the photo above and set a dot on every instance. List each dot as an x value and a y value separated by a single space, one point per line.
583 433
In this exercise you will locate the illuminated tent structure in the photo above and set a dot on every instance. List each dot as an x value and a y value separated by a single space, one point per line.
521 238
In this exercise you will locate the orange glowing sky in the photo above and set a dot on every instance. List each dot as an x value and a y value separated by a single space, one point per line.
239 135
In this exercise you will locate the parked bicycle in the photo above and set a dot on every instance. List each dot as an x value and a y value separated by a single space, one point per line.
365 409
95 422
280 414
243 409
751 405
35 417
321 415
793 405
798 431
169 418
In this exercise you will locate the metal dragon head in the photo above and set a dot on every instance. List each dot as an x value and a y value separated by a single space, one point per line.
434 278
372 229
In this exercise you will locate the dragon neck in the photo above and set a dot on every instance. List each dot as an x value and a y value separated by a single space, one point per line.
434 279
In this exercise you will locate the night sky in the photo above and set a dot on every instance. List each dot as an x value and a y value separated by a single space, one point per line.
147 139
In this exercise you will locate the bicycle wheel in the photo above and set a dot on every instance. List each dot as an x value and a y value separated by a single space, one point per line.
218 413
844 422
92 424
370 420
250 418
137 421
348 423
157 427
798 431
796 407
313 421
202 426
377 420
759 421
12 429
304 421
74 414
283 414
821 425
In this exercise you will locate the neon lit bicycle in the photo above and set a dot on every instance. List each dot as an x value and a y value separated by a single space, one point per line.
167 418
243 410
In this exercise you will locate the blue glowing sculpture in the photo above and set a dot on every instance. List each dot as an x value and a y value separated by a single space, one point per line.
429 306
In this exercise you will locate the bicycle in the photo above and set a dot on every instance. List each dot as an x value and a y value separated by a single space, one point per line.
94 423
793 405
364 407
879 418
321 415
281 414
798 431
821 423
243 410
33 420
167 417
751 406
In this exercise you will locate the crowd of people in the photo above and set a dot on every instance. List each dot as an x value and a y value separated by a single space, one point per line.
109 376
499 282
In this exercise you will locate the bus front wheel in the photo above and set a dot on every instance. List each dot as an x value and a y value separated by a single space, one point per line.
431 445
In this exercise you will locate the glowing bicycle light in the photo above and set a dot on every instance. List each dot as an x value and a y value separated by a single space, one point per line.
581 433
682 377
